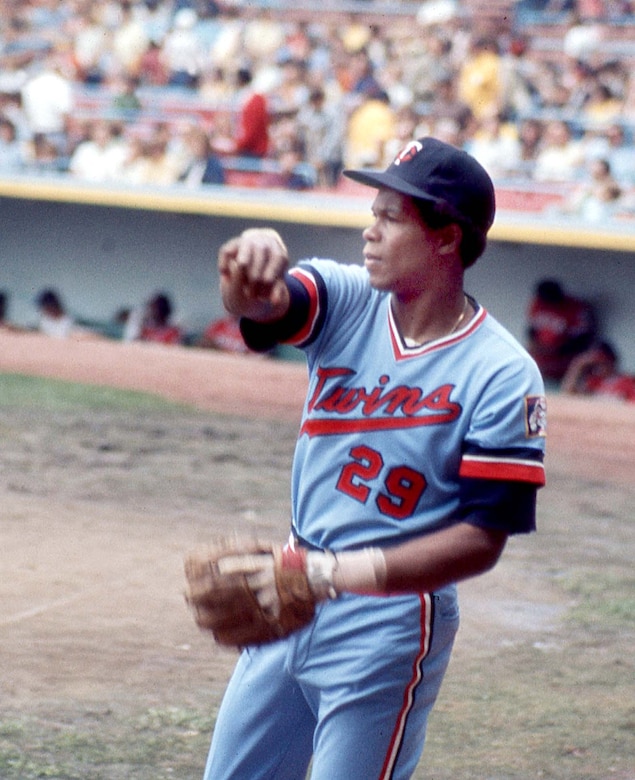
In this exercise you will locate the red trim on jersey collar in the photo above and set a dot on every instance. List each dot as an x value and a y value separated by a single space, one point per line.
402 352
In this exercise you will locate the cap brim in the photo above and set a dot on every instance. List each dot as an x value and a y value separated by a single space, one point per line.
382 179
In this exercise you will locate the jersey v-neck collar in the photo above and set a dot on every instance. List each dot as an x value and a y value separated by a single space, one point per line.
402 351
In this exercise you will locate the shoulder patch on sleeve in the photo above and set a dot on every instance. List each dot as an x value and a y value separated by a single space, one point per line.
535 416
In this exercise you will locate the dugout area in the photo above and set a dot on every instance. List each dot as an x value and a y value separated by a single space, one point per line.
107 249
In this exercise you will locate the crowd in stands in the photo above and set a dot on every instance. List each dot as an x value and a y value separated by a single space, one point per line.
187 93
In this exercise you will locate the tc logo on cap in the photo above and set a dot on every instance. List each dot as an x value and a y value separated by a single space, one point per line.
408 152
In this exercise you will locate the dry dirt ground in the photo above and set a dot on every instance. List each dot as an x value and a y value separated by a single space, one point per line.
104 674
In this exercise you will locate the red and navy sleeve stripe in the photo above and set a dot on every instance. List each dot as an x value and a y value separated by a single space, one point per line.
498 488
522 464
313 295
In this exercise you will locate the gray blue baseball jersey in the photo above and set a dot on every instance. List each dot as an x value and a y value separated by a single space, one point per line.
396 441
392 434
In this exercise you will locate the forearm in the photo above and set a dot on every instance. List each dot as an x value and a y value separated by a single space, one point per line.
573 380
424 564
570 383
451 555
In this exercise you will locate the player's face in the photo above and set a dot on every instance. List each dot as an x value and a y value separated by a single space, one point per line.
400 251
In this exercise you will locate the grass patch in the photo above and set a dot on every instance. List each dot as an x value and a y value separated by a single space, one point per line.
564 714
19 391
562 709
155 744
601 601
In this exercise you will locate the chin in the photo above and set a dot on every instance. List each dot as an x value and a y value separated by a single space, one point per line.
377 283
374 276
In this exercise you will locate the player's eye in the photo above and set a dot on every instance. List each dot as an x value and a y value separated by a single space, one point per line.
386 216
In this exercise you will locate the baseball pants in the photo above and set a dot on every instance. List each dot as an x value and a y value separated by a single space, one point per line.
352 691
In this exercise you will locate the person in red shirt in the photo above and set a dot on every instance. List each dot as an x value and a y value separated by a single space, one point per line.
156 325
559 327
250 136
224 334
596 372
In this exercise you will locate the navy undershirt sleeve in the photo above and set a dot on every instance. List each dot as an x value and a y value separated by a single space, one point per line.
263 336
498 505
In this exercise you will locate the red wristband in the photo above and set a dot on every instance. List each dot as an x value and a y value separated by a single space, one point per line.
294 559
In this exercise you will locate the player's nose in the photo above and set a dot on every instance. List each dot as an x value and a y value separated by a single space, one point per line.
371 232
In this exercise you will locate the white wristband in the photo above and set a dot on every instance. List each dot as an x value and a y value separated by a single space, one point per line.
320 567
360 571
354 571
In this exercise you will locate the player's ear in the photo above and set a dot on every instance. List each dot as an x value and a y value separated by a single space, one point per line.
449 238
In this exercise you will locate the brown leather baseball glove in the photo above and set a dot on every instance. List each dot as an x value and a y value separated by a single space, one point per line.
247 592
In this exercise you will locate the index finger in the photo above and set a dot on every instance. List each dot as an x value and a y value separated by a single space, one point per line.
228 253
262 257
244 564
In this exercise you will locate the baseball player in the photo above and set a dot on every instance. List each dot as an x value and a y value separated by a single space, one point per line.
420 451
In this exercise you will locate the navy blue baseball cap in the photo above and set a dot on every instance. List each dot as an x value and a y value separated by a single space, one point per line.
431 170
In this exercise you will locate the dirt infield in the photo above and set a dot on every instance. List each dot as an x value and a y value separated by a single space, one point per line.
100 656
